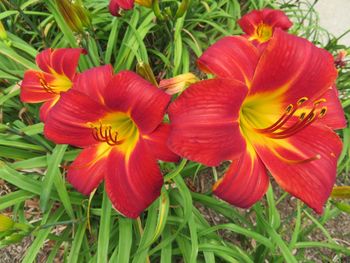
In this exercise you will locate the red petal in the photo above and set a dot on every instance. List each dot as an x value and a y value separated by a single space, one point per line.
115 5
204 125
157 142
245 182
93 82
231 57
309 180
31 89
46 107
334 117
63 61
128 92
133 183
273 18
293 67
67 122
88 169
43 59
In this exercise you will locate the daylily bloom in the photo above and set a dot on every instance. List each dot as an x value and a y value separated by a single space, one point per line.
58 71
116 5
118 121
274 111
259 25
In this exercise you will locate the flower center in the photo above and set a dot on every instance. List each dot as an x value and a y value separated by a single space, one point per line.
263 32
104 133
115 129
59 84
295 118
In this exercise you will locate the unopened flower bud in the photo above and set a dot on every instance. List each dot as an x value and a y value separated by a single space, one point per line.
75 14
3 34
6 223
178 83
145 71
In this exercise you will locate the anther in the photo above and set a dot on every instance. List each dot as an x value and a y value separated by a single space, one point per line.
318 102
302 100
289 108
322 112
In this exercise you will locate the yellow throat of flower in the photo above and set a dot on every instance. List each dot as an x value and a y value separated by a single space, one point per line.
116 129
263 33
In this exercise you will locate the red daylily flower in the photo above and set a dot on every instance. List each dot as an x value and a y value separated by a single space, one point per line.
259 25
58 70
116 5
117 120
274 111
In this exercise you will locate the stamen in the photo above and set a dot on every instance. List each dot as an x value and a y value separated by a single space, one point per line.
278 131
289 111
45 85
103 133
301 161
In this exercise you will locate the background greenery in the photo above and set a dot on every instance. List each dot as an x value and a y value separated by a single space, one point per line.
186 224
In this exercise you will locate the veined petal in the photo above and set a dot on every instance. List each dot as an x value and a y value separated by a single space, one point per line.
128 92
305 164
204 121
89 168
157 142
231 57
43 59
68 121
245 182
93 82
32 90
133 183
276 18
63 61
293 68
46 107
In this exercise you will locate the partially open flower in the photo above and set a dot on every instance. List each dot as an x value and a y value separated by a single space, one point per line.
340 59
259 25
115 6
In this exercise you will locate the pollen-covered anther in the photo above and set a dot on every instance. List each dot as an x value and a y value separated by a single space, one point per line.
302 100
104 133
322 112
